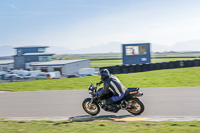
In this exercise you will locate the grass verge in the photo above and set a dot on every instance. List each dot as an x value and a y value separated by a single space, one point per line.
182 77
120 61
98 127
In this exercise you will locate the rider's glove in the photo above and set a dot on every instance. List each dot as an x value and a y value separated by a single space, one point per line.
97 84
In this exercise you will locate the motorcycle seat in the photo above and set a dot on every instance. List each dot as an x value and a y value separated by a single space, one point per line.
132 89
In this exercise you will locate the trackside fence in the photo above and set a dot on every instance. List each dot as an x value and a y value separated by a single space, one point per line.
119 69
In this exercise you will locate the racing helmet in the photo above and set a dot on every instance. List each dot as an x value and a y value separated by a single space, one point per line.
104 74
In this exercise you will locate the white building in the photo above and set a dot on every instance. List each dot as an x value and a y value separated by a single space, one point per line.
6 65
36 58
68 67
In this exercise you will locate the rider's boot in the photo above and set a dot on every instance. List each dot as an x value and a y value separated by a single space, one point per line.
105 107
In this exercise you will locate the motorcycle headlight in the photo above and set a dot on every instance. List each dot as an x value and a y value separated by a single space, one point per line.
90 92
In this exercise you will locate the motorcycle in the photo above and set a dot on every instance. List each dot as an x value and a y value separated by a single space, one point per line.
130 102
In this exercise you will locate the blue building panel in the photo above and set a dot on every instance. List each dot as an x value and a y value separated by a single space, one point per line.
19 62
136 53
31 59
30 54
21 51
37 58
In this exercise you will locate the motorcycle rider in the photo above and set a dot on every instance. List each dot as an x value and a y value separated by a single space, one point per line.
112 83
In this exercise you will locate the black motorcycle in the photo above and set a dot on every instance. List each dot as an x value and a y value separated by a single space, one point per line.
130 102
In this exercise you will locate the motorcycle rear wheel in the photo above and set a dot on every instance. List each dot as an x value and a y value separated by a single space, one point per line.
137 106
93 110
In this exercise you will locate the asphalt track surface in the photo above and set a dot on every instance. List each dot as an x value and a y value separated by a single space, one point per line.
159 102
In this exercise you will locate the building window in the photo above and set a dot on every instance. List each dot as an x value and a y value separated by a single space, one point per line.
4 68
45 58
44 69
19 51
135 50
41 49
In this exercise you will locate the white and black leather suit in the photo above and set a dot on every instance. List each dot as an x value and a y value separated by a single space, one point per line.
115 86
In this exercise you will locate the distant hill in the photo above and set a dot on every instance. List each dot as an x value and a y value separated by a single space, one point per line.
159 48
59 50
112 47
115 47
191 45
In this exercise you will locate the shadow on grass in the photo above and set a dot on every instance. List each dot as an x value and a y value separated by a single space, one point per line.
86 118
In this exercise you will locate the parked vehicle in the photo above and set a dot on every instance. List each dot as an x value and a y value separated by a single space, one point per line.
2 74
130 102
35 73
26 74
42 76
55 75
86 71
20 72
12 76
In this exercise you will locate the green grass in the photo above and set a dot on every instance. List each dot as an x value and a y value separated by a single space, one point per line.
106 61
152 60
98 127
119 55
170 59
50 84
181 77
177 54
120 61
88 56
103 65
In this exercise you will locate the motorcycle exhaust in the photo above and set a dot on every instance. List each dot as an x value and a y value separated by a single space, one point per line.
139 94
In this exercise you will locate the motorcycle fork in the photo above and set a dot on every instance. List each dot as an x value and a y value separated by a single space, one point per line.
90 104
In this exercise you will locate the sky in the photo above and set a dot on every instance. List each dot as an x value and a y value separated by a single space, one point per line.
76 24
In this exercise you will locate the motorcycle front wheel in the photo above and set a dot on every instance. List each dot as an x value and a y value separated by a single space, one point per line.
136 106
93 109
